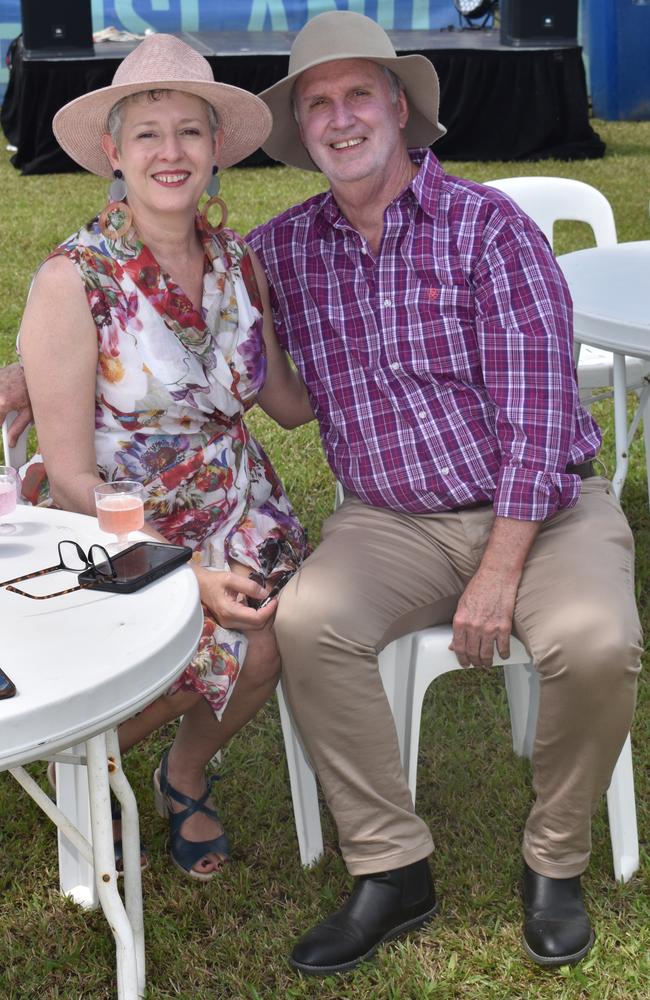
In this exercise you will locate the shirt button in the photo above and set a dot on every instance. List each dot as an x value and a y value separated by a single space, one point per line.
363 250
387 302
395 366
444 471
422 414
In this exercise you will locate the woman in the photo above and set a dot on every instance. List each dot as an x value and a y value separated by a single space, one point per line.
143 344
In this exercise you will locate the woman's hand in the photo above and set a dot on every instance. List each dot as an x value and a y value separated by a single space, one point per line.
225 593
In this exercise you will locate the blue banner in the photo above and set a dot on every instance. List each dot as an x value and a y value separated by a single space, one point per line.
239 15
263 15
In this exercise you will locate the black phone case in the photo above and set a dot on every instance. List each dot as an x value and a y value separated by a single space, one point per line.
178 555
7 687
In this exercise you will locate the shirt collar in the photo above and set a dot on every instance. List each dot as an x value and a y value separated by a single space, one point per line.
425 187
427 183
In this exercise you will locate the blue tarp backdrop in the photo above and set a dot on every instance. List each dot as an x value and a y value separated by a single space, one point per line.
236 15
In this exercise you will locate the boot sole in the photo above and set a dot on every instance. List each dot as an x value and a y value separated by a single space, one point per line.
550 961
327 970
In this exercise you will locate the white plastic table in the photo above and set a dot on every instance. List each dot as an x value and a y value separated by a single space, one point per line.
610 287
82 663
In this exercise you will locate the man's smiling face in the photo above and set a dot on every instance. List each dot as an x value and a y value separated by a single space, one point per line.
350 120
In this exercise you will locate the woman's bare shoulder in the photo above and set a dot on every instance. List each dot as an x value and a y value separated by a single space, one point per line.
57 282
56 268
56 305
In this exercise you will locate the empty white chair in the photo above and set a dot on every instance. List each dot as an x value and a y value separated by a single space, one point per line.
548 200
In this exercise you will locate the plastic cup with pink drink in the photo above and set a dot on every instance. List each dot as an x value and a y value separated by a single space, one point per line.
8 497
120 508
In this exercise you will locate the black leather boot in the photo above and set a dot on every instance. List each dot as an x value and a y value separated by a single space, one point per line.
382 906
556 926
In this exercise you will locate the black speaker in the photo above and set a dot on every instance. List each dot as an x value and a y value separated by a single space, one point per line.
61 25
539 22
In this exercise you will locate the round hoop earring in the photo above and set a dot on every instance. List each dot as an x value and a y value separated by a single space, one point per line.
108 228
116 206
215 200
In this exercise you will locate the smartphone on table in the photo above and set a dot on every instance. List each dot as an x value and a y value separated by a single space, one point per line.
7 686
135 567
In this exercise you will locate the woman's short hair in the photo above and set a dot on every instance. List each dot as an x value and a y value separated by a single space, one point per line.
115 118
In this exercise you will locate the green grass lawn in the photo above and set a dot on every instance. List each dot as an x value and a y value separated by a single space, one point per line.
228 940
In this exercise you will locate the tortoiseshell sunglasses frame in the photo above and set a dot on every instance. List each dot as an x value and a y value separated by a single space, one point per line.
87 560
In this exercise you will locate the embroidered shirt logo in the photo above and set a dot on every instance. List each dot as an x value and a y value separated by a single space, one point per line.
432 294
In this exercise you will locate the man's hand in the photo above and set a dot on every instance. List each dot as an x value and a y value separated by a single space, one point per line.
485 610
483 617
13 396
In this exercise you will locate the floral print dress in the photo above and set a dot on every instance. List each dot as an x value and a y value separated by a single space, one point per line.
172 388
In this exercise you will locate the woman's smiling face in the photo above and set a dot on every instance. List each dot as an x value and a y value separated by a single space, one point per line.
165 150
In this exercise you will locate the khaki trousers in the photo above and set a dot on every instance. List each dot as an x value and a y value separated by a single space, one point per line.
379 574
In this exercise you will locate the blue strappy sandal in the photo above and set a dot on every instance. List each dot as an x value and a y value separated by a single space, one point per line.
116 813
185 853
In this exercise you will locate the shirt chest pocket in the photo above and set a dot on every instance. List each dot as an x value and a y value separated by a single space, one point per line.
439 336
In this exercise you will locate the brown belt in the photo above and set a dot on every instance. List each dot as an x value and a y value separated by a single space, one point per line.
585 469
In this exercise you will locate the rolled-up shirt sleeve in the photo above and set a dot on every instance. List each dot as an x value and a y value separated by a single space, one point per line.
524 331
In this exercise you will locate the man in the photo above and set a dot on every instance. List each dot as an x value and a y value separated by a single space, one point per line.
432 327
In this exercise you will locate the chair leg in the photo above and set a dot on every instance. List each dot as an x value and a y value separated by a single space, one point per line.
522 688
418 689
429 648
76 876
304 792
394 661
621 808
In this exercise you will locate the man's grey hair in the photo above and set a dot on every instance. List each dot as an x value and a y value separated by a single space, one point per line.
394 82
115 118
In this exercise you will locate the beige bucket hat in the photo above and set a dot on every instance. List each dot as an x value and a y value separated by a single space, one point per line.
342 34
161 62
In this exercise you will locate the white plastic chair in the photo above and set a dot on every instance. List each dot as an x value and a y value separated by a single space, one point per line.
548 200
16 456
407 667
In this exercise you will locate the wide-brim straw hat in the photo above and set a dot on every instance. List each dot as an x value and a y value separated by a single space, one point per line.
162 62
342 34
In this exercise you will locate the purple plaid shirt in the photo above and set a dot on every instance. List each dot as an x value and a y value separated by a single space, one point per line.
441 370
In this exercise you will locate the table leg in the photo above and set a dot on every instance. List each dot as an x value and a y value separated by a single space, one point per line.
644 407
105 873
620 423
130 849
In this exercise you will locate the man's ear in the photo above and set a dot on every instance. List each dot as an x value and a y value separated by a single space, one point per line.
112 152
402 108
